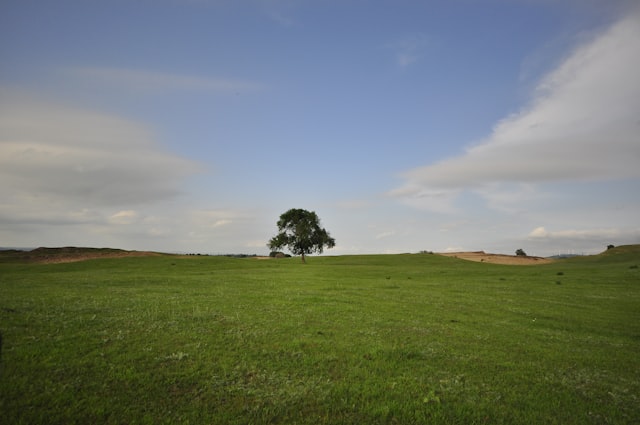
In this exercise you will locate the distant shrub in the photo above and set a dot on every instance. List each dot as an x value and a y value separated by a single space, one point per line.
278 254
520 252
610 246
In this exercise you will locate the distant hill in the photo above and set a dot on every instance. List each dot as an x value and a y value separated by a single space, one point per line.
623 250
615 251
67 254
70 254
562 256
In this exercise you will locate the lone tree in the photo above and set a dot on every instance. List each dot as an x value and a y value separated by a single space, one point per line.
520 252
300 232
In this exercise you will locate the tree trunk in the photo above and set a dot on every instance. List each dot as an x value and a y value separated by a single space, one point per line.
303 260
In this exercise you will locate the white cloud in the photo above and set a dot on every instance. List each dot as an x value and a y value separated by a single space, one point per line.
454 249
582 125
538 232
584 234
220 223
152 81
218 217
123 217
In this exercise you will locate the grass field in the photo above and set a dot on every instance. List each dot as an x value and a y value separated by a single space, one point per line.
406 339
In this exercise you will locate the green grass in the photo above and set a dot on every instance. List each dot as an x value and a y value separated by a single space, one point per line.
407 339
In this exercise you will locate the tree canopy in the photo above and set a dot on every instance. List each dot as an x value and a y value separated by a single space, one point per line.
299 230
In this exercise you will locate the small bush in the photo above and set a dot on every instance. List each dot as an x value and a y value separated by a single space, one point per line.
278 254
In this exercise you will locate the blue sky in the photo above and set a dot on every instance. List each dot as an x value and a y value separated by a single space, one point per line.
191 125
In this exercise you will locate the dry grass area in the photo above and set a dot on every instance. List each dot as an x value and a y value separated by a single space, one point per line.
481 256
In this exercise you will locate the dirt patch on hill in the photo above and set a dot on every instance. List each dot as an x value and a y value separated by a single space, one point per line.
481 256
69 254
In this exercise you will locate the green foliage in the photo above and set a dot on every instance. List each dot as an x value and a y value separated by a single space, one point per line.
300 231
278 254
386 339
520 252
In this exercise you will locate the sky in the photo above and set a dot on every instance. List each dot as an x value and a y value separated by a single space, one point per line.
407 126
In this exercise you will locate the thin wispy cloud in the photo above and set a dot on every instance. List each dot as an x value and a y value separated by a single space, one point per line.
124 217
219 217
282 12
208 224
541 232
281 18
568 237
582 125
153 81
409 49
354 204
384 235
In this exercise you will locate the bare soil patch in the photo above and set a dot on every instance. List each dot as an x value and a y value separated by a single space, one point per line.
481 256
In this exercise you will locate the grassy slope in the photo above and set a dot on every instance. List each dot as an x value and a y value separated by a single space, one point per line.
371 339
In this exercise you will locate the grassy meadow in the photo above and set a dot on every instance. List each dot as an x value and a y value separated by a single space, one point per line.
388 339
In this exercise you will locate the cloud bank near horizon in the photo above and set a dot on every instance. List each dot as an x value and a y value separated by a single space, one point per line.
70 174
582 125
50 151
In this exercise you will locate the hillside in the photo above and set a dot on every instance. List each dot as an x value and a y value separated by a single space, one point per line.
68 254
